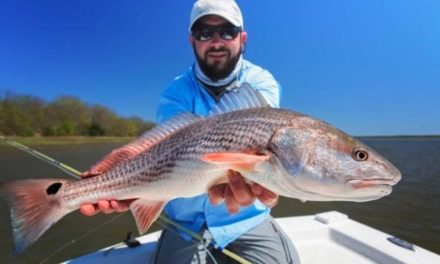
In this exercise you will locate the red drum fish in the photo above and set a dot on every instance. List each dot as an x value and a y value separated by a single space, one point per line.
288 153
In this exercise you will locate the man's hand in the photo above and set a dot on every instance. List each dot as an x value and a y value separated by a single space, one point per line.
105 207
237 193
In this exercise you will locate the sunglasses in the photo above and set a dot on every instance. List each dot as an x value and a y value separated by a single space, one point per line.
225 32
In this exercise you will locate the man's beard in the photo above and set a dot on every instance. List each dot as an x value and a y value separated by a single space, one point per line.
217 70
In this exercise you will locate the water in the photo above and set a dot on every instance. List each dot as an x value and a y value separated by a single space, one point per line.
411 212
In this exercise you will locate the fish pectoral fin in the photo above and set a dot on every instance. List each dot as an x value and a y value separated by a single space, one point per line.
239 161
145 212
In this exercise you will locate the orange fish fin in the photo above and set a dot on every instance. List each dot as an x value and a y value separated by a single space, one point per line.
145 212
35 206
235 160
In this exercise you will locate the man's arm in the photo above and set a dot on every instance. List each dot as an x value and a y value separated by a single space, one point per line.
264 82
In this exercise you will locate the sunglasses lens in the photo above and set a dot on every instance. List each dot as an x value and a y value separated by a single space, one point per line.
228 33
207 33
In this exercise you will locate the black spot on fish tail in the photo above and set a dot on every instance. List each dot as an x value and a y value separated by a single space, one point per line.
53 188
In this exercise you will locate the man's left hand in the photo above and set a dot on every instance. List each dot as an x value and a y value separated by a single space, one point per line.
237 193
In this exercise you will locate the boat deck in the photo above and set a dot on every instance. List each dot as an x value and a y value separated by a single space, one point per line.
329 237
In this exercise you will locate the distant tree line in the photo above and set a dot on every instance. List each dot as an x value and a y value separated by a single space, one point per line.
26 115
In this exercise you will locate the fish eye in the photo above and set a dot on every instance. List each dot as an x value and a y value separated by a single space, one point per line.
360 155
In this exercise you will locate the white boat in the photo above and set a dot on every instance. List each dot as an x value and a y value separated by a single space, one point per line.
330 237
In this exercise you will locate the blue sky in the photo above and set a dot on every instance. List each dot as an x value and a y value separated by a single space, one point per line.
367 67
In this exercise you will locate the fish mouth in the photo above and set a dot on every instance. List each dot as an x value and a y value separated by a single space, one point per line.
364 183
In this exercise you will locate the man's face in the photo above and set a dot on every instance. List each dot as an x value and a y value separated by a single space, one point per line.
217 57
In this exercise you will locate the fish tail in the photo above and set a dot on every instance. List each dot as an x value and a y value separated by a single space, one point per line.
35 206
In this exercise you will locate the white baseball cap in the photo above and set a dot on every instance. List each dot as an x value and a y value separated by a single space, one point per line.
228 9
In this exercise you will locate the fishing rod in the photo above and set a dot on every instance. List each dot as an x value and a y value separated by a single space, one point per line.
76 174
69 170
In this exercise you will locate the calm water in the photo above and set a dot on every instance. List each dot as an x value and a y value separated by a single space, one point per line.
411 212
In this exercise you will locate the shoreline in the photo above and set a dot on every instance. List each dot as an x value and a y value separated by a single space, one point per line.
59 141
400 137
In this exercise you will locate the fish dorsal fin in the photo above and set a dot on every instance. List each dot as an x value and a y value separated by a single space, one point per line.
142 143
239 98
169 127
153 136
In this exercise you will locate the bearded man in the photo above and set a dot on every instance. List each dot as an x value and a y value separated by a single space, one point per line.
235 215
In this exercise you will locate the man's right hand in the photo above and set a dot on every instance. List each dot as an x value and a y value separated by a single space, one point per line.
237 193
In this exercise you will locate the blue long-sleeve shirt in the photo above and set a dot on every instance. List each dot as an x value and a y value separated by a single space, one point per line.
186 94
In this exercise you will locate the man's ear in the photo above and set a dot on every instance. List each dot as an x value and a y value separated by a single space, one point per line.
243 36
243 42
191 40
